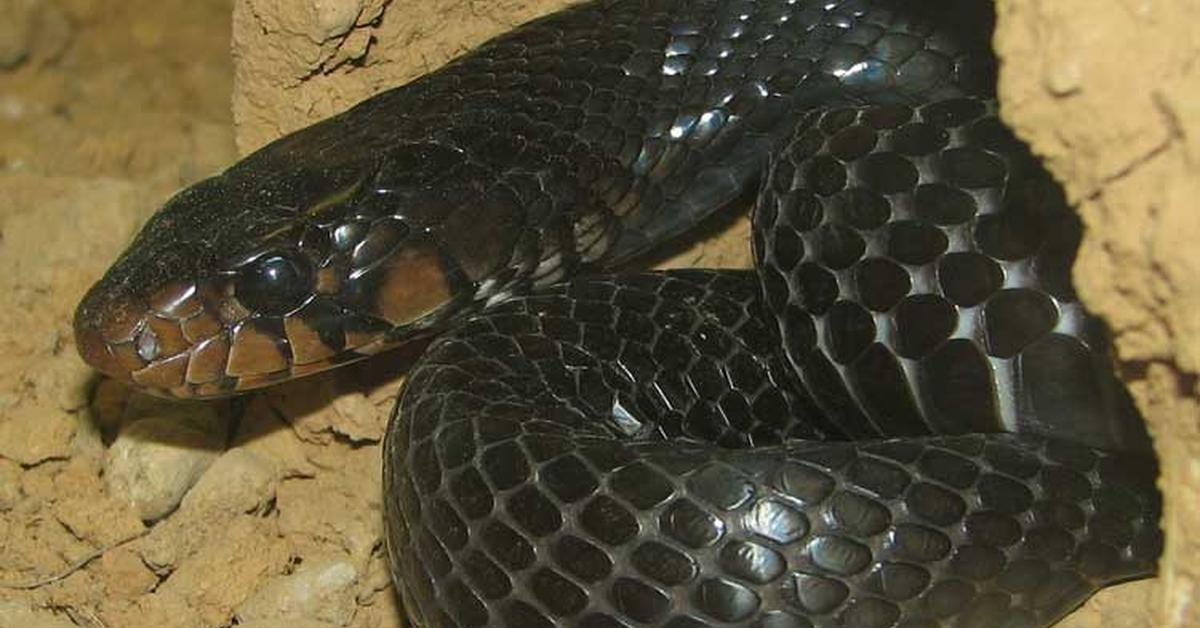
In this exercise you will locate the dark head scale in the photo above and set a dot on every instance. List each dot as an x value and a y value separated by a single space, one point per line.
268 272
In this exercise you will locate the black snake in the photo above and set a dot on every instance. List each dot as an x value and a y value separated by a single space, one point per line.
904 419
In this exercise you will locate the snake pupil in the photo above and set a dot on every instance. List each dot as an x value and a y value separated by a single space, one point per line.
274 283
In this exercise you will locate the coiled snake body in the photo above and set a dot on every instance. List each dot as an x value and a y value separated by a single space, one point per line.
903 419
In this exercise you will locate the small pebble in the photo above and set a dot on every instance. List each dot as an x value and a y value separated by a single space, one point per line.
338 17
358 419
160 455
240 481
321 588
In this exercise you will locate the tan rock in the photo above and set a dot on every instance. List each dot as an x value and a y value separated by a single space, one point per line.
339 506
322 589
157 458
265 433
291 71
1106 92
224 571
100 520
124 573
159 609
238 482
33 431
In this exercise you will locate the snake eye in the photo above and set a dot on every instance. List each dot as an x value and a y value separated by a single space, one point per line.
275 283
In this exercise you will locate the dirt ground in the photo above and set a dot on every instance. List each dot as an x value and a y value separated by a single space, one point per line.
1107 91
117 510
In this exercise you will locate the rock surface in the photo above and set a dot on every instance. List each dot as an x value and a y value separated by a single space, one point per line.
18 615
161 453
321 589
1107 93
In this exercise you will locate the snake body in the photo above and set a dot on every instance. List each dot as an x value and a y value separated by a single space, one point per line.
903 418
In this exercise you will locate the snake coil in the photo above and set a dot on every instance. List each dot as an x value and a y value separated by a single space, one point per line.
904 418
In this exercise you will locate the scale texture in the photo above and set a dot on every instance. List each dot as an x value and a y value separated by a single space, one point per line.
625 452
918 263
914 427
902 419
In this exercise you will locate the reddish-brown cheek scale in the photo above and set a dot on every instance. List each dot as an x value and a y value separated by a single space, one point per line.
413 284
208 361
196 340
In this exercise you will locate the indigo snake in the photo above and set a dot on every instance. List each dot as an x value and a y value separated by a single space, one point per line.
904 418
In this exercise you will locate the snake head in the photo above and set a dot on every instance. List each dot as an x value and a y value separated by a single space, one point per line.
276 269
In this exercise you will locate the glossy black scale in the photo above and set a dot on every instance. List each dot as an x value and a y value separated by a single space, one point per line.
902 419
962 322
623 509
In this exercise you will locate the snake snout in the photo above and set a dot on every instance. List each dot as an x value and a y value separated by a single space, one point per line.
223 335
171 343
99 331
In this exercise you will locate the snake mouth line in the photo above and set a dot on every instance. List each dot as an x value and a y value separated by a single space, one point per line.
294 301
194 340
186 346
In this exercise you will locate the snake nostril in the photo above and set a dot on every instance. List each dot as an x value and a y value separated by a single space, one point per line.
93 349
147 345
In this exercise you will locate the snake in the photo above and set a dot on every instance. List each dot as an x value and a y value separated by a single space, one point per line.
902 417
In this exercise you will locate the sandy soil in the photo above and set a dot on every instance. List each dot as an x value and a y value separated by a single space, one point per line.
116 510
1107 92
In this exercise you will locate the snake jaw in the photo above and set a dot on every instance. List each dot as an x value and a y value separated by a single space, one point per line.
198 339
107 330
